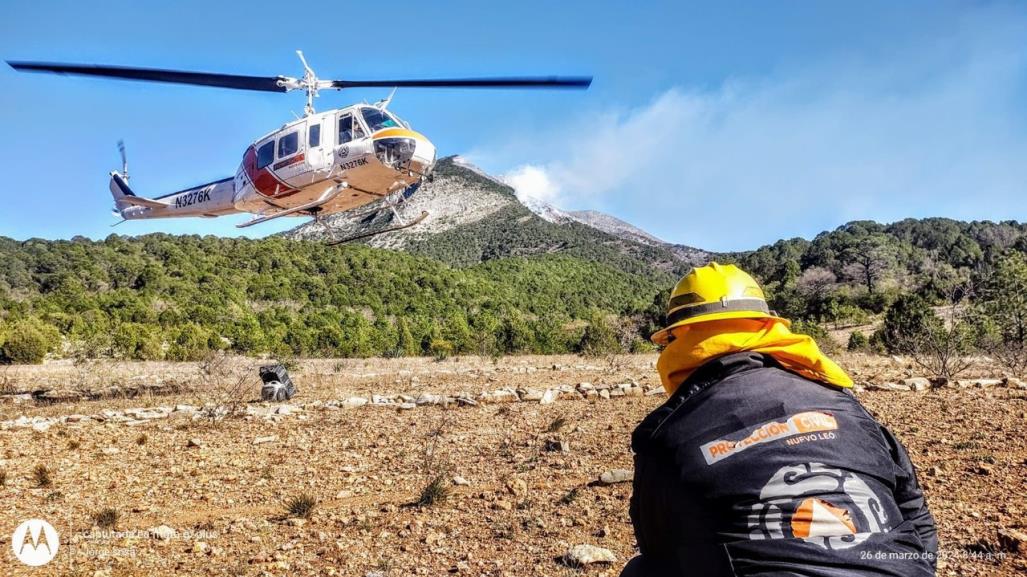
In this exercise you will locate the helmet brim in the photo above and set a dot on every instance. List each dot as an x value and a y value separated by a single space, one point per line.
662 336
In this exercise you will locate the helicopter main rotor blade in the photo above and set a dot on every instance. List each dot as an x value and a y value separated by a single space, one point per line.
506 82
262 83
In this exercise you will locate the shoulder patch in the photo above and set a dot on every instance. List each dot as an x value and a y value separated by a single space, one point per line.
797 424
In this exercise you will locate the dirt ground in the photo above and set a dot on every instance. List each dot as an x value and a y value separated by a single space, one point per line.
526 469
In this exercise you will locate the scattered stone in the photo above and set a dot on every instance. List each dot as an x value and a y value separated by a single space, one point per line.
406 406
557 446
516 486
581 555
110 450
917 384
430 399
194 443
267 439
162 532
614 476
460 481
353 402
888 387
528 395
655 391
199 547
1012 540
1014 383
549 397
987 383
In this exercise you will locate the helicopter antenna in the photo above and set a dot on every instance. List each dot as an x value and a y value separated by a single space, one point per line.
384 103
124 160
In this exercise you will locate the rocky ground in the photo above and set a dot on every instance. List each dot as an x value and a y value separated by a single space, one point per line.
178 469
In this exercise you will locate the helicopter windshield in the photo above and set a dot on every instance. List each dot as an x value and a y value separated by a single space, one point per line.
378 119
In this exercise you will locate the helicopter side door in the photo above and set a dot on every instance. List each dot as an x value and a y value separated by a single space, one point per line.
350 132
318 155
290 153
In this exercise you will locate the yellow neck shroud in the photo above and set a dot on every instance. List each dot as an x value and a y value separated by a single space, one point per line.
694 345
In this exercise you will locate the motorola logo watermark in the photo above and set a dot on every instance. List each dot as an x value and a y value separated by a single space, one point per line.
35 542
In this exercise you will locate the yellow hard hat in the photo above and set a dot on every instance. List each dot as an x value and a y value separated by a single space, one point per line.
713 292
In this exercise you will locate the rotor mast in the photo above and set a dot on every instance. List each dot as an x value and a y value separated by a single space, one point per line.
309 83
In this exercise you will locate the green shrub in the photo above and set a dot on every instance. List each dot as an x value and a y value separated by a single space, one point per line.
598 339
29 341
440 349
858 342
908 319
819 334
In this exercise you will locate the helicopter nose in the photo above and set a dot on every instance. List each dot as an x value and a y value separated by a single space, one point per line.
401 146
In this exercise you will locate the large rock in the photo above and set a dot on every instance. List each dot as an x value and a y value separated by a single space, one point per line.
581 555
917 384
614 476
888 387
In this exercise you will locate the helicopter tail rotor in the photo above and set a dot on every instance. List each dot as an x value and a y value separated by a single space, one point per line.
124 160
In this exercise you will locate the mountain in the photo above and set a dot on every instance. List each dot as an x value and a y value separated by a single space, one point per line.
475 217
615 226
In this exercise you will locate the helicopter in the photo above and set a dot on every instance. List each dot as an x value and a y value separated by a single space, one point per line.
340 160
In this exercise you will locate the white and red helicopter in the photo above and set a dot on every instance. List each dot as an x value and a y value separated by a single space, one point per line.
323 163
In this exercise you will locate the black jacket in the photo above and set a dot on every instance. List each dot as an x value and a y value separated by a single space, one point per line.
749 469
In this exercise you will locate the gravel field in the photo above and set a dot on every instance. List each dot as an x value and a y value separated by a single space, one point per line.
192 491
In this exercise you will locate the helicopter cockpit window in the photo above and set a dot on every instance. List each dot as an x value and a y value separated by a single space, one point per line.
349 129
378 119
266 154
314 136
288 144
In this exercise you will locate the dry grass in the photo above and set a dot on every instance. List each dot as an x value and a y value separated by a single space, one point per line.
41 476
435 492
301 506
106 518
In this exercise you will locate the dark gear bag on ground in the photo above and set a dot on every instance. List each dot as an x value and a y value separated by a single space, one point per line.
277 384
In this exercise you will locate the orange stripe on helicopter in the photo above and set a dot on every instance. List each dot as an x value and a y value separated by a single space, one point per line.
394 132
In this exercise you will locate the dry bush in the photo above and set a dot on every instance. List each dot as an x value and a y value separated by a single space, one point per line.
226 390
556 424
41 475
436 491
106 518
436 470
301 506
6 382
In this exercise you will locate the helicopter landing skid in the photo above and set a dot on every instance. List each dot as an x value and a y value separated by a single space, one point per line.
417 220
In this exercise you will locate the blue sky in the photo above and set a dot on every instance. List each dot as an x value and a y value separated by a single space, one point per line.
723 125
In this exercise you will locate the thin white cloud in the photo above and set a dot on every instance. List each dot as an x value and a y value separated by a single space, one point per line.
938 129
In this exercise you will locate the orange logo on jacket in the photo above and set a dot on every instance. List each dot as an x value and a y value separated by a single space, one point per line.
800 423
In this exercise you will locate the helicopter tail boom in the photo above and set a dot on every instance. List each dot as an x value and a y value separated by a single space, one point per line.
211 199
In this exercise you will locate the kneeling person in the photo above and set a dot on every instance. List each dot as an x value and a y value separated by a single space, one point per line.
761 462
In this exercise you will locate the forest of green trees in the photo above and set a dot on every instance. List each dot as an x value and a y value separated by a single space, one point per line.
180 297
